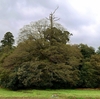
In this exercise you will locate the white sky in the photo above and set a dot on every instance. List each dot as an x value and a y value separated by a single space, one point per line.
80 17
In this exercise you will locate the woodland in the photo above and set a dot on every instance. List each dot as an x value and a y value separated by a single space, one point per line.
44 59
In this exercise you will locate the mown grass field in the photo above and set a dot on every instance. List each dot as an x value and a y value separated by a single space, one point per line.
50 94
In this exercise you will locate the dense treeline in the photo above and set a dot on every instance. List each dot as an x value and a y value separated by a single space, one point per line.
44 59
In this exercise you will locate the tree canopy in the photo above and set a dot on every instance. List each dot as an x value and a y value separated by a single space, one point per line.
44 59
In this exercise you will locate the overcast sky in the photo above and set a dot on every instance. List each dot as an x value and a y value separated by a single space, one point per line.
80 17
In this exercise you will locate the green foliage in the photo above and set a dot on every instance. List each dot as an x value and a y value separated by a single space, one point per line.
6 51
7 46
3 77
56 35
41 30
8 40
89 72
43 59
87 77
86 50
98 50
95 61
38 64
43 67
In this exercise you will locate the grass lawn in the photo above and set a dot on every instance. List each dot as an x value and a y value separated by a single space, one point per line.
50 94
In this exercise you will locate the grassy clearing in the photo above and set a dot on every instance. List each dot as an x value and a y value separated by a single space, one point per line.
50 94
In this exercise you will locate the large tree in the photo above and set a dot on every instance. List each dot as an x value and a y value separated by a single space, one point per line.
44 60
33 66
6 46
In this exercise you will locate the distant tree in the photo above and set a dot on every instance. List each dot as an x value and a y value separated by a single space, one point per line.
6 46
8 40
86 50
95 61
98 50
86 67
87 76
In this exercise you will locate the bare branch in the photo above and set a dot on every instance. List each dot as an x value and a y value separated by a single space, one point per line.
52 18
55 10
57 19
